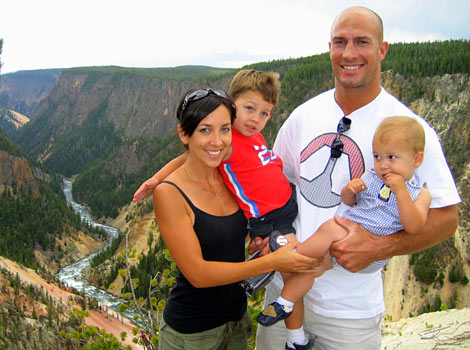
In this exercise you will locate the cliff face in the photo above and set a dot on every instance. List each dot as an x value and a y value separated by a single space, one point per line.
22 91
90 112
134 104
16 170
11 121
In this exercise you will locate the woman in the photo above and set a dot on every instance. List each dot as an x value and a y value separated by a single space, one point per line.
204 230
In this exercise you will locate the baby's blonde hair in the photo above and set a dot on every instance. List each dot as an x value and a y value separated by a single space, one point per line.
267 84
408 127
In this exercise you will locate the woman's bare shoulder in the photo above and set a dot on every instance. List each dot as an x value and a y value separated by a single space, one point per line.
166 191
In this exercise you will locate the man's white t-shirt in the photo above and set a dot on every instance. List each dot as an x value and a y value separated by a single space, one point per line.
303 143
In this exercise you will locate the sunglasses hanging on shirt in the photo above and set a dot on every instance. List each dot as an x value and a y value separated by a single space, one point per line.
337 145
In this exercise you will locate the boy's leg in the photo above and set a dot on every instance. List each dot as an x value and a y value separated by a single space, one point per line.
319 243
280 308
272 337
295 288
295 331
294 321
298 284
276 336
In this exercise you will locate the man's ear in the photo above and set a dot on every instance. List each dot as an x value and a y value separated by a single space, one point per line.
419 157
383 49
181 135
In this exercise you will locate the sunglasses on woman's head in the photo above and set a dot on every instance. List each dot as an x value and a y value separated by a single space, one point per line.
198 94
337 145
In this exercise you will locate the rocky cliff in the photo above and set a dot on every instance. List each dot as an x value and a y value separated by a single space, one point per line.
91 111
445 103
22 91
16 170
11 121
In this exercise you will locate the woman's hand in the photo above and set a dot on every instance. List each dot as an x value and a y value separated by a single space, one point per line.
286 259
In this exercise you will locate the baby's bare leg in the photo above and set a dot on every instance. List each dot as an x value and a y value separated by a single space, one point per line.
296 285
319 243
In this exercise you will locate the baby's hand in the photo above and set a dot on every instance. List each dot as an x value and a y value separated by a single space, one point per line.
355 186
395 182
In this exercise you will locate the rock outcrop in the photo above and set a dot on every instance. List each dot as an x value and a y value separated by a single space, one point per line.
16 170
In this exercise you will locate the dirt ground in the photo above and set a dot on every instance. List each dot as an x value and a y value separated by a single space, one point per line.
101 319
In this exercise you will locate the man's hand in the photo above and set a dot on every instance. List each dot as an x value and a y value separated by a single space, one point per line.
357 250
145 189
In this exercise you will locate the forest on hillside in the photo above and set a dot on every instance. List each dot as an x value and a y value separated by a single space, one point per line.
30 221
106 191
33 222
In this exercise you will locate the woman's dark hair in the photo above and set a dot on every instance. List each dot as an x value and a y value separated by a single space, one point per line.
190 112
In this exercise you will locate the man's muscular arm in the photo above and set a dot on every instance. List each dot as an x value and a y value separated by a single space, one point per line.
360 248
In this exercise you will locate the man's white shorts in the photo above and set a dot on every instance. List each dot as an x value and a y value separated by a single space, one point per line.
331 333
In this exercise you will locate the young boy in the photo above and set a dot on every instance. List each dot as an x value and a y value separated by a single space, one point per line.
251 171
385 200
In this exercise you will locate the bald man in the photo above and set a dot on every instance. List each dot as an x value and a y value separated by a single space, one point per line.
321 153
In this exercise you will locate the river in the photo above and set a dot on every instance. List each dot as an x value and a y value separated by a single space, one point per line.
73 275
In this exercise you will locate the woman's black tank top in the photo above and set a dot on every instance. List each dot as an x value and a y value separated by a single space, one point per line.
190 309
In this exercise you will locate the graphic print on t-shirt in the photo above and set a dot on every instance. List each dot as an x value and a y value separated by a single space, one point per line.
319 190
265 155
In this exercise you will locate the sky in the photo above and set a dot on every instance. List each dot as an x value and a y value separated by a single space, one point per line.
40 34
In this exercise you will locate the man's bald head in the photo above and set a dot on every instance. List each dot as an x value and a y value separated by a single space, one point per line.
359 11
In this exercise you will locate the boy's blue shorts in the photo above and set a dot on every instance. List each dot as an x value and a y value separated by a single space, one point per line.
279 219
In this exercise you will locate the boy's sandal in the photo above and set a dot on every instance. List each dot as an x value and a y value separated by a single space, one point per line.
277 240
295 346
273 313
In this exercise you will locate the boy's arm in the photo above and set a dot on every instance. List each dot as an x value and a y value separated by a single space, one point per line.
348 193
413 215
147 187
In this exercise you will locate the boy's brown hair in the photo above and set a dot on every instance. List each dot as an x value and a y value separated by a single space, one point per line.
267 84
408 127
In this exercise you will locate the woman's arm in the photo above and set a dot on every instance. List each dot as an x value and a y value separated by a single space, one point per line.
175 221
147 187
